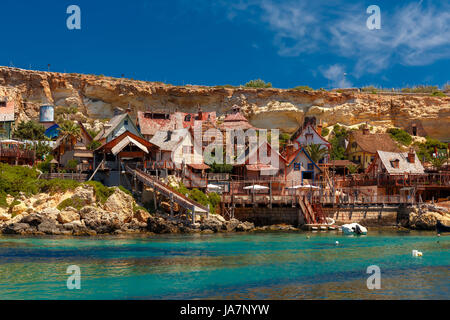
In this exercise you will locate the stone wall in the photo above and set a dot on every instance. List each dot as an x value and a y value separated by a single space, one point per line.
371 216
267 216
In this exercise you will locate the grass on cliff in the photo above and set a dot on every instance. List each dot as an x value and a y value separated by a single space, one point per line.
17 179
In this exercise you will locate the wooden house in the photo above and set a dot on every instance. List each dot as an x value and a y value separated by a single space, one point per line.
363 146
112 158
396 164
301 168
308 135
118 125
68 147
150 122
7 118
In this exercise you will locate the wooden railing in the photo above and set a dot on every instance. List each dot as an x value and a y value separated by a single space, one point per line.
167 191
433 179
65 176
15 153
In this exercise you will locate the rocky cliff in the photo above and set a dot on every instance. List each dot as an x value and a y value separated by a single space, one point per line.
95 97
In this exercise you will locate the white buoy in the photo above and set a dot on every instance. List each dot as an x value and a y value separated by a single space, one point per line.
337 243
417 253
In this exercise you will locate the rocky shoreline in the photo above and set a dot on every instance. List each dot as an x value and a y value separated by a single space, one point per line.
82 213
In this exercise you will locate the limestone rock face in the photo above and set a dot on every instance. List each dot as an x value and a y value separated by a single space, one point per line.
19 209
84 195
4 215
121 203
68 216
141 216
428 218
96 97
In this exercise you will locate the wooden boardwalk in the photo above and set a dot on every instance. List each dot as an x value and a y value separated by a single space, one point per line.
168 192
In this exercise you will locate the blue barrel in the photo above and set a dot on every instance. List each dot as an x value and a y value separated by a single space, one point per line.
47 114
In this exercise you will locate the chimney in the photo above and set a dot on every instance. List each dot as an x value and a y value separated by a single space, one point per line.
411 156
319 128
366 129
289 149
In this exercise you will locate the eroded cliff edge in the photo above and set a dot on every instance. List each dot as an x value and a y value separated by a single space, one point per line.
96 97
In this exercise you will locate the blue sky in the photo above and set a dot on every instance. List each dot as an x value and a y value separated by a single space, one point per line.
287 43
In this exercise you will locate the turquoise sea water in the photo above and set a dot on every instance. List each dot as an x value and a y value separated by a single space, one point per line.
237 266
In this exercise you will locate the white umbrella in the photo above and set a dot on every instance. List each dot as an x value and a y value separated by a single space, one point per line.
256 187
295 187
308 186
214 186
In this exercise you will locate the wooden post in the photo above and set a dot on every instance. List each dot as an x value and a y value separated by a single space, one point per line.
171 204
193 215
270 185
154 197
207 213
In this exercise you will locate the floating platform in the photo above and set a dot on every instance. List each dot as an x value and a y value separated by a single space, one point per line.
321 227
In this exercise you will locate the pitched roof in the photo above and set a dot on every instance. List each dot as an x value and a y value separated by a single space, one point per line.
374 142
298 133
169 140
404 166
149 126
290 160
113 123
110 145
7 113
236 121
174 121
125 142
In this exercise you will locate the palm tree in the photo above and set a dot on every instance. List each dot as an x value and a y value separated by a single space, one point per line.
316 152
69 128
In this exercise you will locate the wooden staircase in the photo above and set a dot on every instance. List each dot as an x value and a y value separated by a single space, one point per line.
307 210
168 192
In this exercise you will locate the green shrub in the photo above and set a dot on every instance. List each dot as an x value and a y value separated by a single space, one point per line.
3 203
426 150
340 134
400 135
30 130
72 165
57 185
15 179
214 201
438 94
122 188
325 132
102 193
258 84
74 203
304 88
94 145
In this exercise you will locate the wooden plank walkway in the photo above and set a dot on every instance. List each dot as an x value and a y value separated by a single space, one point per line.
168 192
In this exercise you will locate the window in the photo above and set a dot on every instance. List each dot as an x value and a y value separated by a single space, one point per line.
310 166
3 104
395 163
297 167
126 122
354 145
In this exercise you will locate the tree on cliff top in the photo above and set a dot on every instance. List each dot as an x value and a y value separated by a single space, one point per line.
258 84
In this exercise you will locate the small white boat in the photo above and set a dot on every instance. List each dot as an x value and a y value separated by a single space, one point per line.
354 228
